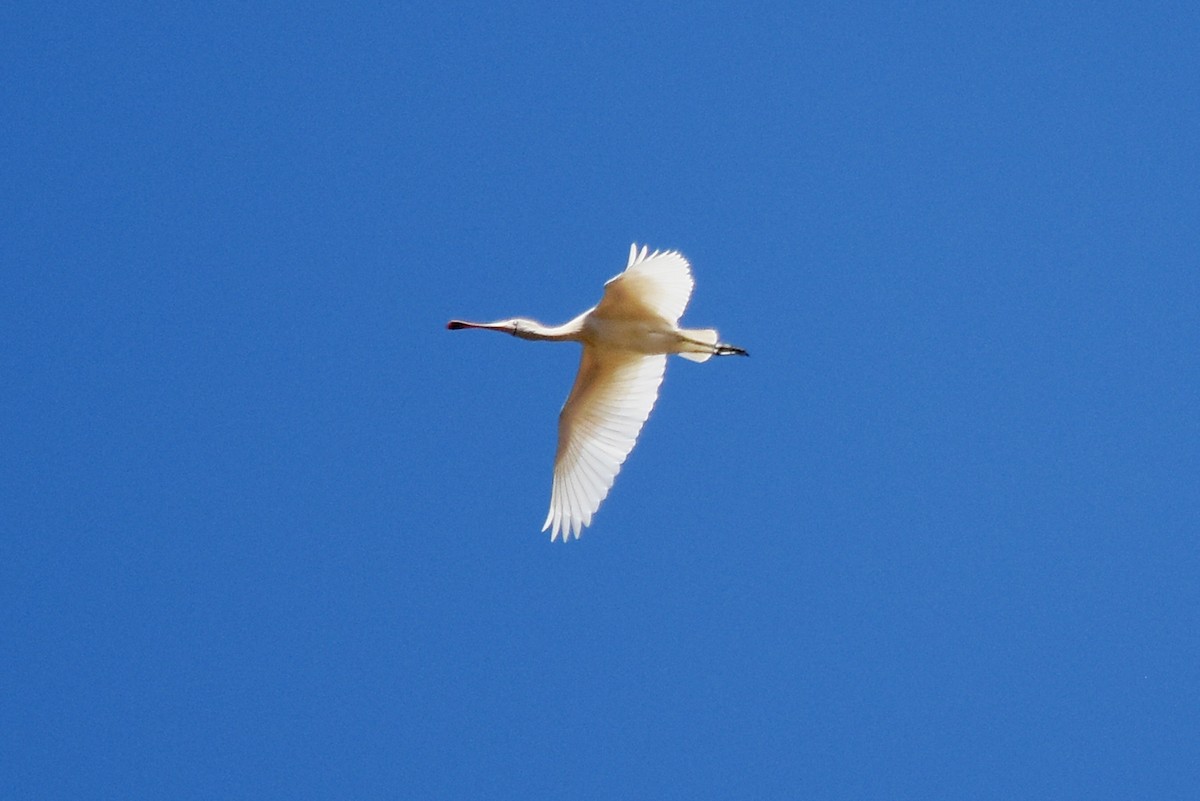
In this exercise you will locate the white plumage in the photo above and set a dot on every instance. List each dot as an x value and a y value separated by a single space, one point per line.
626 339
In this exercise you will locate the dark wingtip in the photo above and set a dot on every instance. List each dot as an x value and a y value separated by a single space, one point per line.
454 325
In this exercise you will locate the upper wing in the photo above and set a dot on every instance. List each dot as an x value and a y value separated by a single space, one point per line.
612 397
657 285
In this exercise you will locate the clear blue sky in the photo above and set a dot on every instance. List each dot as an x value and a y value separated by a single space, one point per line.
270 531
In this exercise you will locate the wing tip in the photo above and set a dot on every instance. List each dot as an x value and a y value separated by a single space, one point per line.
566 526
638 256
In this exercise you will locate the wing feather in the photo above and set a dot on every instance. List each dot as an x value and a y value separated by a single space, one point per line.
657 284
599 424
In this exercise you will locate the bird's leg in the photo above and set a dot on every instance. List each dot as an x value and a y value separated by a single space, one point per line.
707 347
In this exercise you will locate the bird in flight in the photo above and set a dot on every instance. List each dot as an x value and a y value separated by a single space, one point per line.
626 338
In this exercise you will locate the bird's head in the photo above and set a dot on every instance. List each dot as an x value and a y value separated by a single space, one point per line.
515 326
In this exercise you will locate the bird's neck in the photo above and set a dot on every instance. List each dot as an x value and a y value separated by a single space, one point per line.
532 329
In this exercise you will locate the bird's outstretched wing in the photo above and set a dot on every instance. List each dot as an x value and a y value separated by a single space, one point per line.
612 397
654 285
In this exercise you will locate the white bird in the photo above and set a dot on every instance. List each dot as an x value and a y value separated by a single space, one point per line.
625 341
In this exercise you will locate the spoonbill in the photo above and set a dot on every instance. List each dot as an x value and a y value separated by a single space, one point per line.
626 338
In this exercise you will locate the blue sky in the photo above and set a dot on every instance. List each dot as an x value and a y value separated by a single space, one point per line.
270 531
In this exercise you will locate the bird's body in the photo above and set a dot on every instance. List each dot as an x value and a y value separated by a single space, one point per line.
626 339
